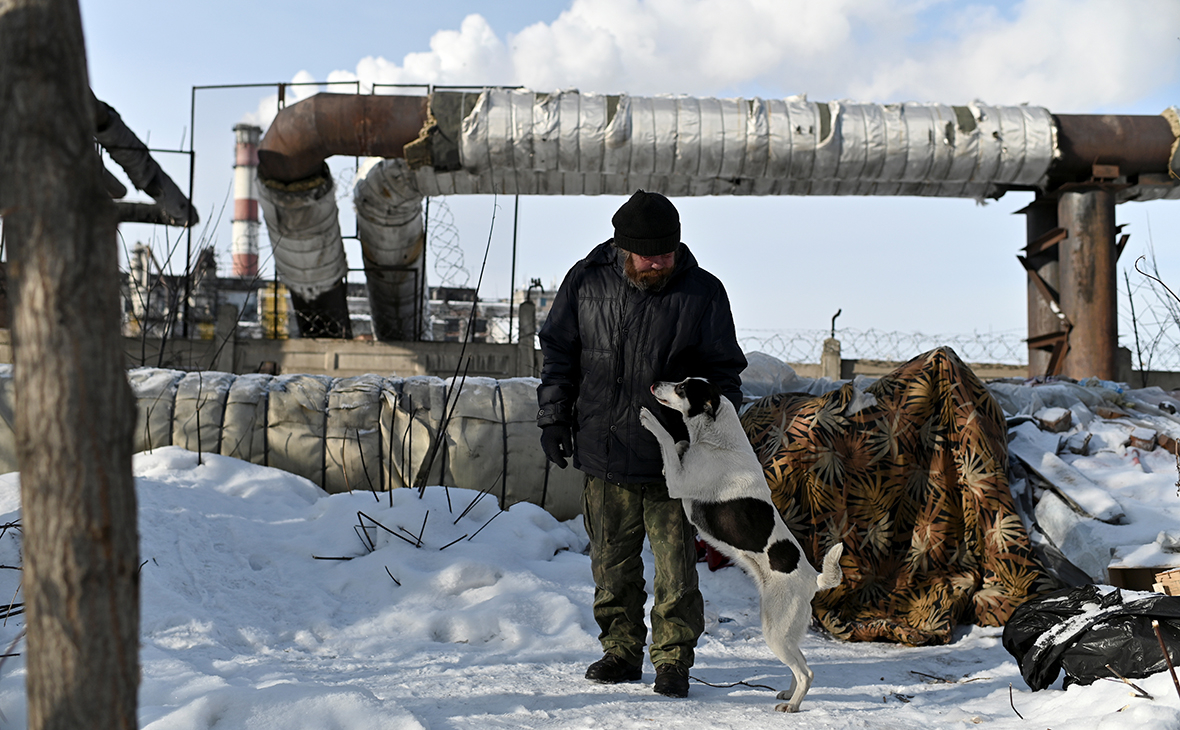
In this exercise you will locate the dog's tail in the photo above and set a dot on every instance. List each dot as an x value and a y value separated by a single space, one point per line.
832 574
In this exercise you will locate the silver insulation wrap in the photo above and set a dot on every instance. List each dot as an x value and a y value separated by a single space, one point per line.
304 229
393 241
568 143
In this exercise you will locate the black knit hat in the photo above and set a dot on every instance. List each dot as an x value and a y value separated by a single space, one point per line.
647 224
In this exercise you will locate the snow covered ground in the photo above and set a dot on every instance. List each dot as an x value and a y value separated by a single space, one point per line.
489 623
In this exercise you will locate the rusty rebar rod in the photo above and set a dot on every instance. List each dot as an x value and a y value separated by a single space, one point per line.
1159 635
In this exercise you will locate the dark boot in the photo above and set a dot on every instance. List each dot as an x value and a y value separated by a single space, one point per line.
612 669
671 680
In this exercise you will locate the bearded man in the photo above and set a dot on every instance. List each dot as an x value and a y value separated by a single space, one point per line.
636 310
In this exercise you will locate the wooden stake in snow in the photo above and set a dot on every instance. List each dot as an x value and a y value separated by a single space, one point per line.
1167 659
1013 702
1139 691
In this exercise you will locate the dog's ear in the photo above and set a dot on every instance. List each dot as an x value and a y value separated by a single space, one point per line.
714 401
703 397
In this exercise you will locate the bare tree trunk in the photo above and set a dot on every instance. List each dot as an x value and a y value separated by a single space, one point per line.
75 414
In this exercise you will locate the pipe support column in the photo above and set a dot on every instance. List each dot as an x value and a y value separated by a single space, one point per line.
1041 218
1089 282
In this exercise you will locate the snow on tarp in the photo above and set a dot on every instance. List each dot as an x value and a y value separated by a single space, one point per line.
1072 485
1093 632
1074 534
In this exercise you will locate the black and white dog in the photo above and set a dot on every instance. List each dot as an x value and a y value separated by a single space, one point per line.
725 495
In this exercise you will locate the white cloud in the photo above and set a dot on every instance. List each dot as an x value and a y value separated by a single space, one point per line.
1068 55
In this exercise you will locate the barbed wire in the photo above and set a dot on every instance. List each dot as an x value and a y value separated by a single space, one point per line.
443 241
1161 351
806 346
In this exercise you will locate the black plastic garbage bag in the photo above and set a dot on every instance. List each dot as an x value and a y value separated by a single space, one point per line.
1082 630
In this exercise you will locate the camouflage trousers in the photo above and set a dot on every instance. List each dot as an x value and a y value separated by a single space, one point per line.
617 516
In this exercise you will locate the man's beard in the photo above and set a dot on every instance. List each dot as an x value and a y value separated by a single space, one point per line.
651 280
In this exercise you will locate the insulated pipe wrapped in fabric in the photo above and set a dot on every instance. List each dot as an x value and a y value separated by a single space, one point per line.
352 449
521 142
490 441
297 416
560 489
514 140
477 437
304 226
244 427
573 143
347 434
392 448
393 241
199 410
420 408
145 173
569 143
155 401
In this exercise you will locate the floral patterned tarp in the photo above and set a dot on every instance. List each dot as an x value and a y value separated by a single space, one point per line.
916 487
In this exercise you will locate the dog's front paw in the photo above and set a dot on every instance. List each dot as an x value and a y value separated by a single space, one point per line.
649 420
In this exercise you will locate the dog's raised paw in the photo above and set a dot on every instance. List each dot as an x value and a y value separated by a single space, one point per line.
648 420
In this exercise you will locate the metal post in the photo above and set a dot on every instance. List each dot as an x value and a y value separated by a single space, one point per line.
1043 322
188 247
512 280
423 294
1088 282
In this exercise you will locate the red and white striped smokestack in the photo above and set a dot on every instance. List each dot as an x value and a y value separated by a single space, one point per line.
244 244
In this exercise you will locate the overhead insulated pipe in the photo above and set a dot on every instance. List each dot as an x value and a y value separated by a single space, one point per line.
1136 151
304 227
568 143
172 207
298 196
393 244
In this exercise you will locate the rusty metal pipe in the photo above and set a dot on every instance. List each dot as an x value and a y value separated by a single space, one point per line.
1088 280
1136 143
308 132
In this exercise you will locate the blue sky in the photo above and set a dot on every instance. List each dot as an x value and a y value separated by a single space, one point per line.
895 264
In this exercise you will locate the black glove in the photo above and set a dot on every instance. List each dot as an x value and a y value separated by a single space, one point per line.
557 442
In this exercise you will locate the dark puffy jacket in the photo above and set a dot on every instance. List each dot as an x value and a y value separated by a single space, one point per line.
605 342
